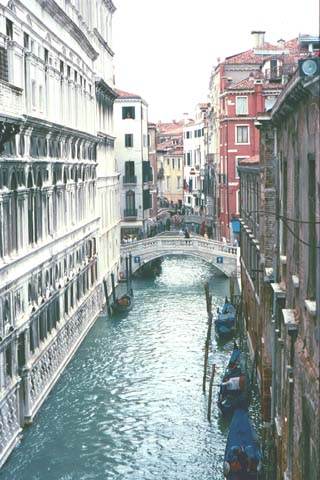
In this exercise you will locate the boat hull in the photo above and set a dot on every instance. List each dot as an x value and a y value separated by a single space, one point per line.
242 449
124 307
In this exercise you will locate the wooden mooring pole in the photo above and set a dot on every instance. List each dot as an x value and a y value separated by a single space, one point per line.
207 344
127 274
130 273
113 289
210 391
107 297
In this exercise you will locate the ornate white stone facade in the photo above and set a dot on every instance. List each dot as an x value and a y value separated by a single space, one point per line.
59 193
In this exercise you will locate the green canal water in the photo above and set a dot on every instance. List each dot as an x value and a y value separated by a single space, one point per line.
130 406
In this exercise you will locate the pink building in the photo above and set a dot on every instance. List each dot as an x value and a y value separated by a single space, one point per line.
248 84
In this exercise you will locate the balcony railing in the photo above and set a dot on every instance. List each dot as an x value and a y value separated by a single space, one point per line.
130 213
129 180
276 73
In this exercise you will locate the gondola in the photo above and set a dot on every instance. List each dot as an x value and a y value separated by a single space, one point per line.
242 459
225 322
233 391
123 304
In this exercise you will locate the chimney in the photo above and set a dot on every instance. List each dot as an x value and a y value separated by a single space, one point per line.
258 38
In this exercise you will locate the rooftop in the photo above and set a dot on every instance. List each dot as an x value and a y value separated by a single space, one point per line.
251 161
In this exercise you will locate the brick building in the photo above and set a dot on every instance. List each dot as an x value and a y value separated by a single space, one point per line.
280 239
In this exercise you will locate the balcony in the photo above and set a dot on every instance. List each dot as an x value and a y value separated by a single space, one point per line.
129 180
131 213
275 74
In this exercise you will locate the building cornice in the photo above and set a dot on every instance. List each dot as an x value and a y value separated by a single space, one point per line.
106 139
103 42
110 5
237 119
295 91
68 24
131 100
56 129
102 86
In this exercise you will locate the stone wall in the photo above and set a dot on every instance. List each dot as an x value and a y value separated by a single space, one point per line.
10 99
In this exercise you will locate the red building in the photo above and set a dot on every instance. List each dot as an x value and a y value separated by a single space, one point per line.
248 83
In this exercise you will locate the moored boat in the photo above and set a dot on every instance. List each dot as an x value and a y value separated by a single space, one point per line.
242 460
225 322
123 304
233 391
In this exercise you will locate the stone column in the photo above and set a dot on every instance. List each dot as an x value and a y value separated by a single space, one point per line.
49 212
1 231
28 89
22 221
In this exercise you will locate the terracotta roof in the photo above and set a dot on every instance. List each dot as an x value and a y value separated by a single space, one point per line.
254 160
247 57
252 57
123 94
245 84
172 128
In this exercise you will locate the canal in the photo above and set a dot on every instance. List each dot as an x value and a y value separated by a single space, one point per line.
130 406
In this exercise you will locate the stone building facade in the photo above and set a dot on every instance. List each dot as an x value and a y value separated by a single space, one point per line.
152 152
170 168
280 294
132 155
59 190
195 156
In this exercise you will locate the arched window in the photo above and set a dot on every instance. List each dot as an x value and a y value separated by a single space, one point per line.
21 145
38 209
30 209
13 241
130 202
6 312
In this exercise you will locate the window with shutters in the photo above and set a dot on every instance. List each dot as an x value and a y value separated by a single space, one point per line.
128 140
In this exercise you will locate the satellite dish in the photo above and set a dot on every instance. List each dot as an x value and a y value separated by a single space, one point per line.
309 67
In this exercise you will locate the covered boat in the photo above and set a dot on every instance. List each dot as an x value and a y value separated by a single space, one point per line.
233 391
226 320
123 304
242 459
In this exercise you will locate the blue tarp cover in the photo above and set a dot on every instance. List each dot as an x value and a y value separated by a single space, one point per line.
242 435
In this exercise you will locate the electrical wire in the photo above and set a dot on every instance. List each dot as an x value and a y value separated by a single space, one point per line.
254 190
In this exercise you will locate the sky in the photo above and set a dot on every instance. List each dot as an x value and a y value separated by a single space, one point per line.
165 49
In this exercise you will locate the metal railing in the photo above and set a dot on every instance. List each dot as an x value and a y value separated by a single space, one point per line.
130 213
129 180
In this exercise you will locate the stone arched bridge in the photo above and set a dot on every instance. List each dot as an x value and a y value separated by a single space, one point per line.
221 255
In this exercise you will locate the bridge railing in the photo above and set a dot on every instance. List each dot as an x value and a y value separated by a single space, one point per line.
160 242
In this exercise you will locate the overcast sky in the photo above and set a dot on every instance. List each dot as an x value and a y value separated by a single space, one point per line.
165 49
